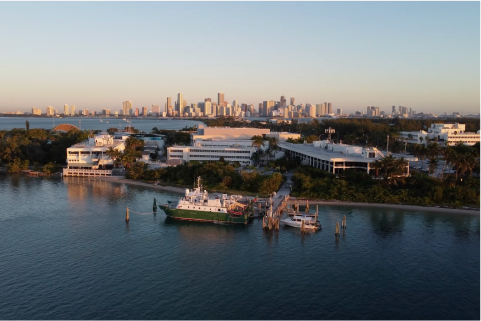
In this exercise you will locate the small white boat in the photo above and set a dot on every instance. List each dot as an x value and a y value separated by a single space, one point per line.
296 221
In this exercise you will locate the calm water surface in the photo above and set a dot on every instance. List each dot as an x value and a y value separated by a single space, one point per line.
95 124
66 253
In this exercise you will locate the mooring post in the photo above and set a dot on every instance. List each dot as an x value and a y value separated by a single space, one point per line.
303 227
154 206
337 229
344 222
127 215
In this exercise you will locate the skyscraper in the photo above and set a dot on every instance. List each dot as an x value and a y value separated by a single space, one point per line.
180 103
283 101
267 107
329 108
393 110
319 109
66 110
144 111
293 101
339 111
169 104
220 99
126 107
72 110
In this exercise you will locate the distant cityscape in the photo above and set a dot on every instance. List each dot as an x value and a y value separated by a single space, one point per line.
221 108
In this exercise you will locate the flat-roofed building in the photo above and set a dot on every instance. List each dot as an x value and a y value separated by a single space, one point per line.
283 136
336 158
204 132
88 158
443 134
212 150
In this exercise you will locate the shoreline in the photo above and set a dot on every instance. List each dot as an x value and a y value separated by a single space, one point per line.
394 206
119 179
179 190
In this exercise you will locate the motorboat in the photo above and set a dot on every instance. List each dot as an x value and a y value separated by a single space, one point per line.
296 221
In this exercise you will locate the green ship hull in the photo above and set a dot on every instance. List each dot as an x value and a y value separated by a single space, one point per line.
200 216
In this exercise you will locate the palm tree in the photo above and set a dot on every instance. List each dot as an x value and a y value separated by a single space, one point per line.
376 165
114 155
433 162
257 141
446 152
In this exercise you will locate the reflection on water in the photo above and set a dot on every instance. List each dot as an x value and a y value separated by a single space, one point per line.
385 222
70 236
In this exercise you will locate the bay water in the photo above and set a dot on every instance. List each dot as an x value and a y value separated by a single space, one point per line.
67 253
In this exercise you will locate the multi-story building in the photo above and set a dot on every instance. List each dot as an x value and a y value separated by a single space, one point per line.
144 111
312 110
136 113
443 134
72 110
393 110
106 112
126 107
155 110
293 101
50 111
283 101
180 103
36 111
339 111
66 110
329 108
336 158
267 107
168 104
88 158
220 99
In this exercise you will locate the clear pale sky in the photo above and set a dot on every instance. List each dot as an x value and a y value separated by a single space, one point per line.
423 55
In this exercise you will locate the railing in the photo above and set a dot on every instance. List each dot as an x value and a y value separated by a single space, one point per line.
86 172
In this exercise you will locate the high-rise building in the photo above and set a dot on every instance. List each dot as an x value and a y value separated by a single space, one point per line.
155 110
312 110
36 111
106 111
393 110
180 102
260 109
184 103
329 108
267 107
207 108
293 101
339 111
220 99
235 103
72 110
66 110
319 109
50 111
136 112
283 101
168 104
126 107
144 111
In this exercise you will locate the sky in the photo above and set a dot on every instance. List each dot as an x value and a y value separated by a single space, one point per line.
95 55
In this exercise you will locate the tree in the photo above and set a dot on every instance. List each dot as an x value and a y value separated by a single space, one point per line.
433 162
257 141
114 155
27 125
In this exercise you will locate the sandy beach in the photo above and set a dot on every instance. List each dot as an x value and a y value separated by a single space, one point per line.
395 206
179 190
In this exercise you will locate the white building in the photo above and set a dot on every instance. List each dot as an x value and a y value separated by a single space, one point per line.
88 158
283 136
221 133
444 134
66 110
212 150
336 158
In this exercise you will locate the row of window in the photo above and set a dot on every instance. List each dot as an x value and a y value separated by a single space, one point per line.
217 156
220 151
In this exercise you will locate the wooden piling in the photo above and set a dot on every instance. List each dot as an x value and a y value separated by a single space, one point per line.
127 215
344 222
303 227
337 229
154 206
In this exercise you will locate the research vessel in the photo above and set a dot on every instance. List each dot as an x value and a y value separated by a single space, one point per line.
196 205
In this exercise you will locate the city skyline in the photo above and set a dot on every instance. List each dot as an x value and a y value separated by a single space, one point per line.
421 55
